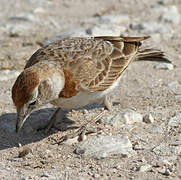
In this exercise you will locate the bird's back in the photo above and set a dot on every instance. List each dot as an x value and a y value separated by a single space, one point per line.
95 63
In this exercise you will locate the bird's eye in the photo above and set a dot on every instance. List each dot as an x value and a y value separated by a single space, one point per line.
32 103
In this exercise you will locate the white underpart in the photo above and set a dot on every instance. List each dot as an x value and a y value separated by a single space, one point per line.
84 98
58 84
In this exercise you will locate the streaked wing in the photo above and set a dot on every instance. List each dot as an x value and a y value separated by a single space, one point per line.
95 63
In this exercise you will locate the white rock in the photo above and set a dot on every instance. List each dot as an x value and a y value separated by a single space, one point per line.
175 87
102 146
119 119
164 2
164 162
175 121
17 29
106 30
156 129
164 171
165 66
150 27
39 10
23 17
8 74
71 141
114 19
144 168
170 14
148 118
175 143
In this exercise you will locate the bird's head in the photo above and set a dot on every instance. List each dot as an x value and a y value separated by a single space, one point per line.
36 86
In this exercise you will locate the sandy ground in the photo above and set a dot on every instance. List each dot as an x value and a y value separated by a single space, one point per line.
24 26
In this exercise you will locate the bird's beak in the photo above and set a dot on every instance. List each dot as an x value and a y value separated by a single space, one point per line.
21 118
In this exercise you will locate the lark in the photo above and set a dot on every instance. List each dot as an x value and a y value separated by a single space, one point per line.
74 72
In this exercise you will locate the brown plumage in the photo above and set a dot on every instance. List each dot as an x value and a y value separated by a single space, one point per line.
78 71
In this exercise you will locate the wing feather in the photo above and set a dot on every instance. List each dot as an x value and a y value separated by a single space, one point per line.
96 63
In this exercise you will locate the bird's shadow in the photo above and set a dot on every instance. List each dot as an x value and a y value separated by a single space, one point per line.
28 134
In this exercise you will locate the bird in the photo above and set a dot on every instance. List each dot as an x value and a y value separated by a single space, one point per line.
76 71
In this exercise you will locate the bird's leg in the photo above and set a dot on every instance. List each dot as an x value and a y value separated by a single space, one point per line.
82 130
51 121
107 103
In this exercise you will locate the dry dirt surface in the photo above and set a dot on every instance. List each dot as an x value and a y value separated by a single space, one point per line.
140 138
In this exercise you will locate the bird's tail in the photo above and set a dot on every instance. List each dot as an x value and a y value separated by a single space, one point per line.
152 55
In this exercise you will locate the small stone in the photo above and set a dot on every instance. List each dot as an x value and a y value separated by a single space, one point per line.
139 147
114 19
176 143
156 129
144 168
162 149
24 152
102 146
124 117
164 66
150 27
164 2
18 29
45 174
175 121
23 17
106 30
170 14
71 141
148 118
39 10
163 162
95 175
166 172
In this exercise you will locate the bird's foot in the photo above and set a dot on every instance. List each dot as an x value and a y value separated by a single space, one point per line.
82 131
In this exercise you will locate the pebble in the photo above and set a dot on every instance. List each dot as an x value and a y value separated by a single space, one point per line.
163 162
95 175
114 19
139 147
164 171
164 66
175 87
18 29
165 149
44 174
164 2
106 30
150 27
148 118
71 141
156 129
162 150
170 14
175 121
39 10
124 117
104 146
176 143
144 168
23 17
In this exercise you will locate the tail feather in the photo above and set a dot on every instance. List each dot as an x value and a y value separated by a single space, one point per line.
152 55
